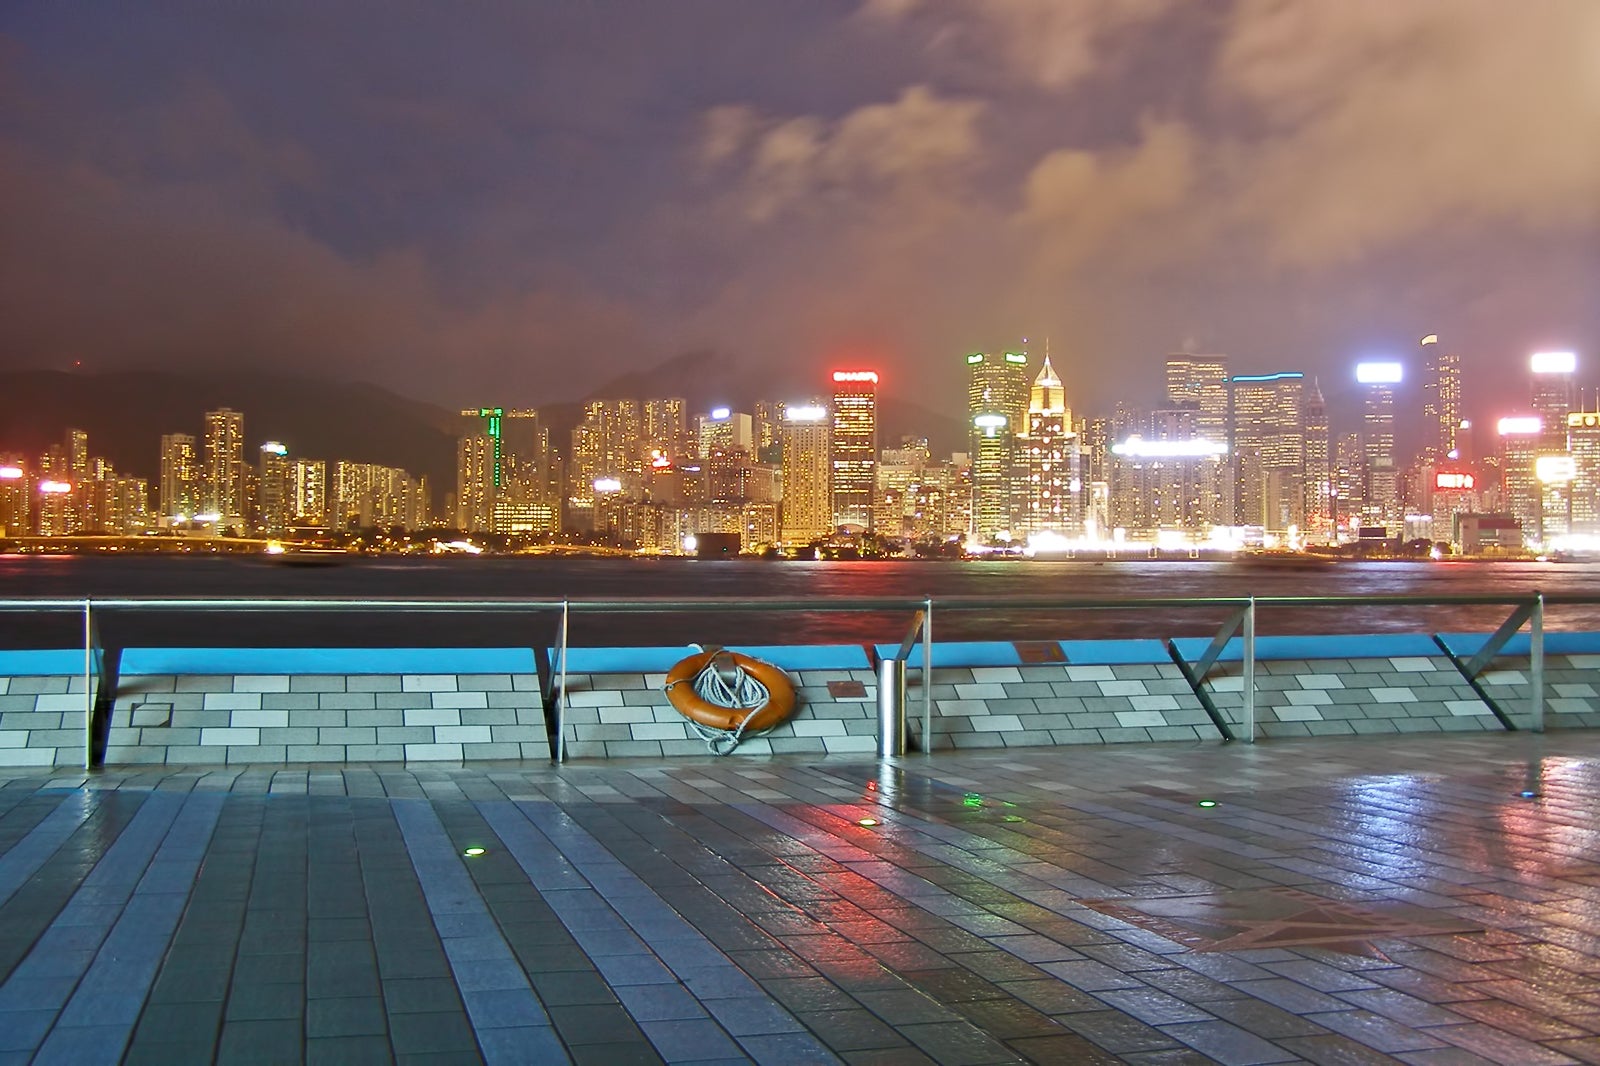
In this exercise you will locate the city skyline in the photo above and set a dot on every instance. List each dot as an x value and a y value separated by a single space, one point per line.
528 202
1227 459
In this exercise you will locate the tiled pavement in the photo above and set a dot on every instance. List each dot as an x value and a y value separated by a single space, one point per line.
1343 901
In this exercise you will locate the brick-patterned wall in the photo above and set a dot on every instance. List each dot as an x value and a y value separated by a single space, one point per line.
616 711
41 719
1340 697
252 718
1021 706
613 715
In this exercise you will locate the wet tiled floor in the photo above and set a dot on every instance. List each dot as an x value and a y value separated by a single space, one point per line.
1424 900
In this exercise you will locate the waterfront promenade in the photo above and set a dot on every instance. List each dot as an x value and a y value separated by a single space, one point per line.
1343 901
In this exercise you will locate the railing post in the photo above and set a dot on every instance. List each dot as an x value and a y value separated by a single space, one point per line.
927 676
891 707
88 686
1249 671
1536 662
561 692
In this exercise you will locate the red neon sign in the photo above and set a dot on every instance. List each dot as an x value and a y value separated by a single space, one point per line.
856 375
1449 480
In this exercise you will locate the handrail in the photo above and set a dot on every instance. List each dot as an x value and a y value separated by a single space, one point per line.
657 604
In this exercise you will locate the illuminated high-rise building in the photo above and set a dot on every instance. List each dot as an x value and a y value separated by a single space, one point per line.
1319 467
180 493
900 477
1583 442
1554 395
997 384
1521 440
855 446
276 501
1167 483
807 507
1441 401
1049 459
1349 482
308 488
767 423
1201 380
1269 455
606 448
724 430
666 426
81 516
1381 499
16 511
366 495
993 487
225 468
475 487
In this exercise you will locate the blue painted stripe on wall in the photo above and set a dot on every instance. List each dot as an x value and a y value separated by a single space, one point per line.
959 653
1371 646
1467 644
660 660
145 661
36 663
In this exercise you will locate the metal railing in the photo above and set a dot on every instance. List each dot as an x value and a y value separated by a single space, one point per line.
1527 610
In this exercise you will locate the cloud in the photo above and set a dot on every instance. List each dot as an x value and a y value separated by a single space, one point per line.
918 142
1080 204
1377 123
1054 44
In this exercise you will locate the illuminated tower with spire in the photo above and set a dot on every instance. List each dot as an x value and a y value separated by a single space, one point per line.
1049 455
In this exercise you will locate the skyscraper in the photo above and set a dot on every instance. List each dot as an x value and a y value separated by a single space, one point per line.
992 483
81 516
1554 395
1520 444
475 488
997 384
276 498
666 426
1320 519
605 447
1381 500
1049 456
1441 401
180 477
1201 380
855 446
309 487
1583 436
225 467
1268 445
807 508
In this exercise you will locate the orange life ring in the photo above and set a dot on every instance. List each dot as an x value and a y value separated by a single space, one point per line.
689 703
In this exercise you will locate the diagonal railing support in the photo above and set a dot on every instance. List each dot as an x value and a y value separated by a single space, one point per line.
1195 673
1530 614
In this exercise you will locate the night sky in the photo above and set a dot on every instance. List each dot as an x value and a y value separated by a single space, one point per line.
517 202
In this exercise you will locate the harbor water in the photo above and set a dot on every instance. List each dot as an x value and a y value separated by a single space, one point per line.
578 578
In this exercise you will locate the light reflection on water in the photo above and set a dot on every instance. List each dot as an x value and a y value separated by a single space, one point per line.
554 578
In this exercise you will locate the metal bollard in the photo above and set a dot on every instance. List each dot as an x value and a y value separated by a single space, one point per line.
891 707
